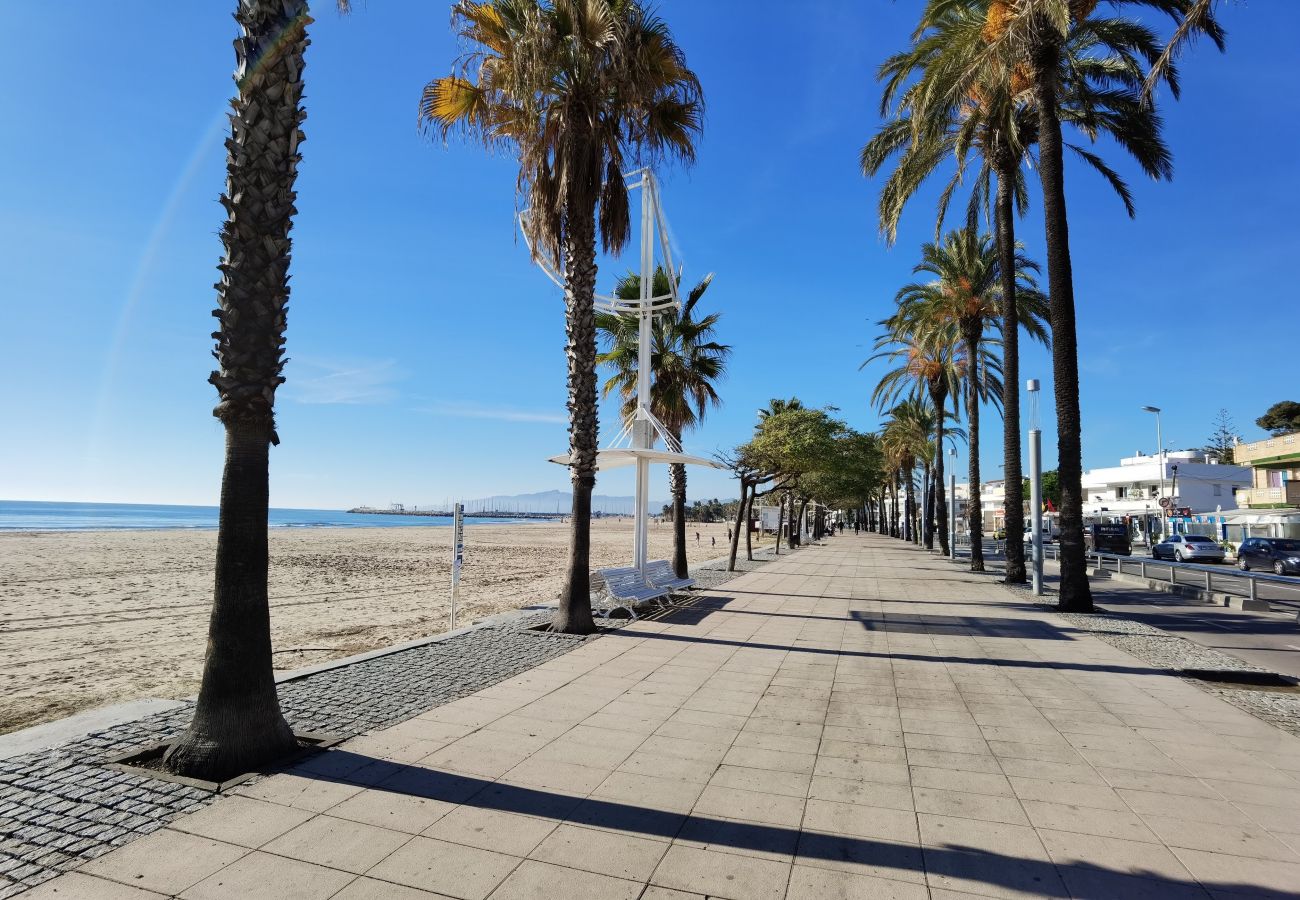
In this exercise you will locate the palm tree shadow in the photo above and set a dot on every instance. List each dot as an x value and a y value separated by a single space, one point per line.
942 865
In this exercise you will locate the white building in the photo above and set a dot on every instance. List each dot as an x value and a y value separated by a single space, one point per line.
1133 488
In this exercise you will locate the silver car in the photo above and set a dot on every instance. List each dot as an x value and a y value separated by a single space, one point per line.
1188 548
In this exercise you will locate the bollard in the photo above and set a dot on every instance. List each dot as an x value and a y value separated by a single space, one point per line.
1142 568
1173 574
1207 582
1252 583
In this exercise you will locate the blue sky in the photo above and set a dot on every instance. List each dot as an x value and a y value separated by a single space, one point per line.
427 353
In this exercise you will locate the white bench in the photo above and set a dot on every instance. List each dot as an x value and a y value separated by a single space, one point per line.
660 573
624 588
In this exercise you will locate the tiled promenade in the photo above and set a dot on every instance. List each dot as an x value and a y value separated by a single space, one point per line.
859 720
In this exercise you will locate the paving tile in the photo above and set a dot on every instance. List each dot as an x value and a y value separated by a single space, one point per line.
963 804
1112 823
733 803
629 788
374 889
954 780
790 784
861 770
297 791
458 871
1196 809
860 821
539 881
1223 873
78 886
391 810
491 829
338 843
722 875
604 852
871 793
735 836
1237 840
1099 796
1151 861
261 876
166 861
242 820
811 883
661 766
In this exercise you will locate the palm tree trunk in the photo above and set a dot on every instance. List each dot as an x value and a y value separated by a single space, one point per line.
1075 594
237 724
973 375
1014 517
677 485
909 524
927 522
939 397
573 615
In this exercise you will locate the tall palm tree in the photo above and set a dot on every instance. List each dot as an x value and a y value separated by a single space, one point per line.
966 295
686 363
928 365
969 97
577 89
1036 33
906 439
237 723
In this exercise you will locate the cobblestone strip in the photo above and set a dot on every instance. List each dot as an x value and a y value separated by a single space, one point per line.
61 807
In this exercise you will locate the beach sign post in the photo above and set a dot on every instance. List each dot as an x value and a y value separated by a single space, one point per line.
457 556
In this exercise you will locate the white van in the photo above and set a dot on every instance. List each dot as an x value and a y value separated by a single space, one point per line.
1049 529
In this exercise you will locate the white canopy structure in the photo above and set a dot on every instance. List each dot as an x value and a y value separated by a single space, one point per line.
634 444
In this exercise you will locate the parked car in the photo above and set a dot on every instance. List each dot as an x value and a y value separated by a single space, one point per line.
1108 537
1282 555
1188 548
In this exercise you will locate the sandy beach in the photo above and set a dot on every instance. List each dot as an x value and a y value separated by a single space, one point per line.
93 618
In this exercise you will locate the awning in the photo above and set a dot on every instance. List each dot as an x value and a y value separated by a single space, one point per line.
616 459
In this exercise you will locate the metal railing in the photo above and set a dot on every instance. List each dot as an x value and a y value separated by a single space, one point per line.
1139 565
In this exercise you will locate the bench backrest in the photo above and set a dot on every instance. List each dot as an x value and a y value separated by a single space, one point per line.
628 584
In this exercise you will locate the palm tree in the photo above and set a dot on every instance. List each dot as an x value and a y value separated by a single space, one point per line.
577 89
1036 34
906 441
956 107
686 363
966 295
237 723
928 366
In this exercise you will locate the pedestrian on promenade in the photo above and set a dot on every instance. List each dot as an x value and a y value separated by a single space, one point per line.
697 537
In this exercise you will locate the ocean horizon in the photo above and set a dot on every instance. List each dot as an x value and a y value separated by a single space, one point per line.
38 515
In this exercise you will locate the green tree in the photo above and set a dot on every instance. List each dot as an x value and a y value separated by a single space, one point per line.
1281 418
1051 488
577 89
966 295
686 363
237 723
1223 439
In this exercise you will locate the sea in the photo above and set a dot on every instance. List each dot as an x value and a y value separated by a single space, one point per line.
24 515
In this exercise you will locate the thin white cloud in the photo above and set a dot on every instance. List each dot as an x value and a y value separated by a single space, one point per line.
497 413
351 382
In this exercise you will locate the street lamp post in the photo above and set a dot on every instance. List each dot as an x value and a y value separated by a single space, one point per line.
1160 457
952 503
1035 484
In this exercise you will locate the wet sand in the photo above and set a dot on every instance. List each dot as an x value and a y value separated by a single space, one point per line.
93 618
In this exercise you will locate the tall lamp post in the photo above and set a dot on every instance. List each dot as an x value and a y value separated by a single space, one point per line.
1160 455
952 502
1035 484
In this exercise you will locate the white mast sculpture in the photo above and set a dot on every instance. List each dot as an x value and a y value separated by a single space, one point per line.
634 444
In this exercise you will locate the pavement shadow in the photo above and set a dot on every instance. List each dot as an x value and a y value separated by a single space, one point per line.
952 863
897 654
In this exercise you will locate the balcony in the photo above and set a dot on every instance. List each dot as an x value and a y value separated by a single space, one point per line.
1270 497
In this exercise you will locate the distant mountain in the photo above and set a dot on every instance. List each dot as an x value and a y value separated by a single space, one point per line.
557 501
